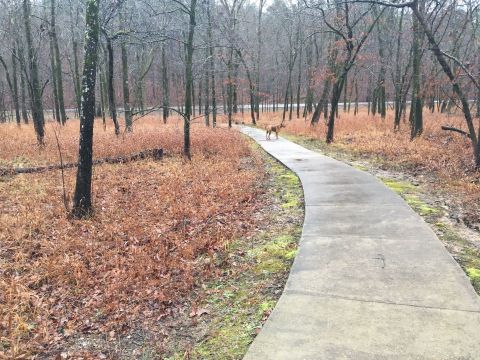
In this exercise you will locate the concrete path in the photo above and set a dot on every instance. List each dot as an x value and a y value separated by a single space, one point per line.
370 281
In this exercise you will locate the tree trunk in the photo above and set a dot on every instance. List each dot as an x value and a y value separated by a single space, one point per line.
35 85
398 85
309 97
299 80
212 65
229 89
76 77
55 108
416 108
15 86
125 82
235 85
200 95
207 91
58 65
336 92
380 91
165 95
82 201
102 99
189 80
110 89
258 59
23 71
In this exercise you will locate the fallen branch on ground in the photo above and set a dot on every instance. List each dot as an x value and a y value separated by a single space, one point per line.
449 128
156 154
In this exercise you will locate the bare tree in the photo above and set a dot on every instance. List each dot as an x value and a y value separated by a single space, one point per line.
82 201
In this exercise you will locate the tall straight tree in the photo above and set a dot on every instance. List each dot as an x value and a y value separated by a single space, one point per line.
212 64
23 71
126 90
416 109
110 88
58 65
35 86
261 4
82 201
165 96
189 78
15 85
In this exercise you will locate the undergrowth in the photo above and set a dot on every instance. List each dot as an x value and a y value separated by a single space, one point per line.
156 229
255 272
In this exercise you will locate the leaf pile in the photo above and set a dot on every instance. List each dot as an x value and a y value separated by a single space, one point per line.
156 228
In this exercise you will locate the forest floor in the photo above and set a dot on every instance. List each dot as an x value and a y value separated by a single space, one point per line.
434 173
180 259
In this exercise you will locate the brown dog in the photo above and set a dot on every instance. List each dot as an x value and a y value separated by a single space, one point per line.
273 128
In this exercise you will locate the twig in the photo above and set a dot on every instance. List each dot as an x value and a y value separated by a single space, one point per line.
65 200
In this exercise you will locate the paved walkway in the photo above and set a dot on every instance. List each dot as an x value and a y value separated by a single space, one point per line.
371 280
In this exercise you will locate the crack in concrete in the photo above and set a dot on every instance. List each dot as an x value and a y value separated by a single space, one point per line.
384 302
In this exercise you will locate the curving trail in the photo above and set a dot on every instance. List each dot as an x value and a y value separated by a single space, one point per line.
371 280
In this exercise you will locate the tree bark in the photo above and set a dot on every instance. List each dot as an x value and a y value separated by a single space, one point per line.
212 65
416 109
23 71
207 91
165 95
258 58
15 86
56 108
35 86
110 89
82 201
125 82
58 65
189 80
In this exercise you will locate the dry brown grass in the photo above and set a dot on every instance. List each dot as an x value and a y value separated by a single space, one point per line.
18 146
445 156
156 227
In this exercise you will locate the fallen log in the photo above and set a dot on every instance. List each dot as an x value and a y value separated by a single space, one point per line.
155 154
451 128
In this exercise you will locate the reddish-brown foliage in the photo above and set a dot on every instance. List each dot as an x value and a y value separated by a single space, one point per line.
155 226
446 156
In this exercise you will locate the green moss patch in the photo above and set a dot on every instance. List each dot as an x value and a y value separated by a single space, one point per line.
400 187
239 303
410 194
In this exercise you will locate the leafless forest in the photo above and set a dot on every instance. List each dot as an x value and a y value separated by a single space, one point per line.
88 82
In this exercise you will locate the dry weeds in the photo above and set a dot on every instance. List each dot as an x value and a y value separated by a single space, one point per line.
155 228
